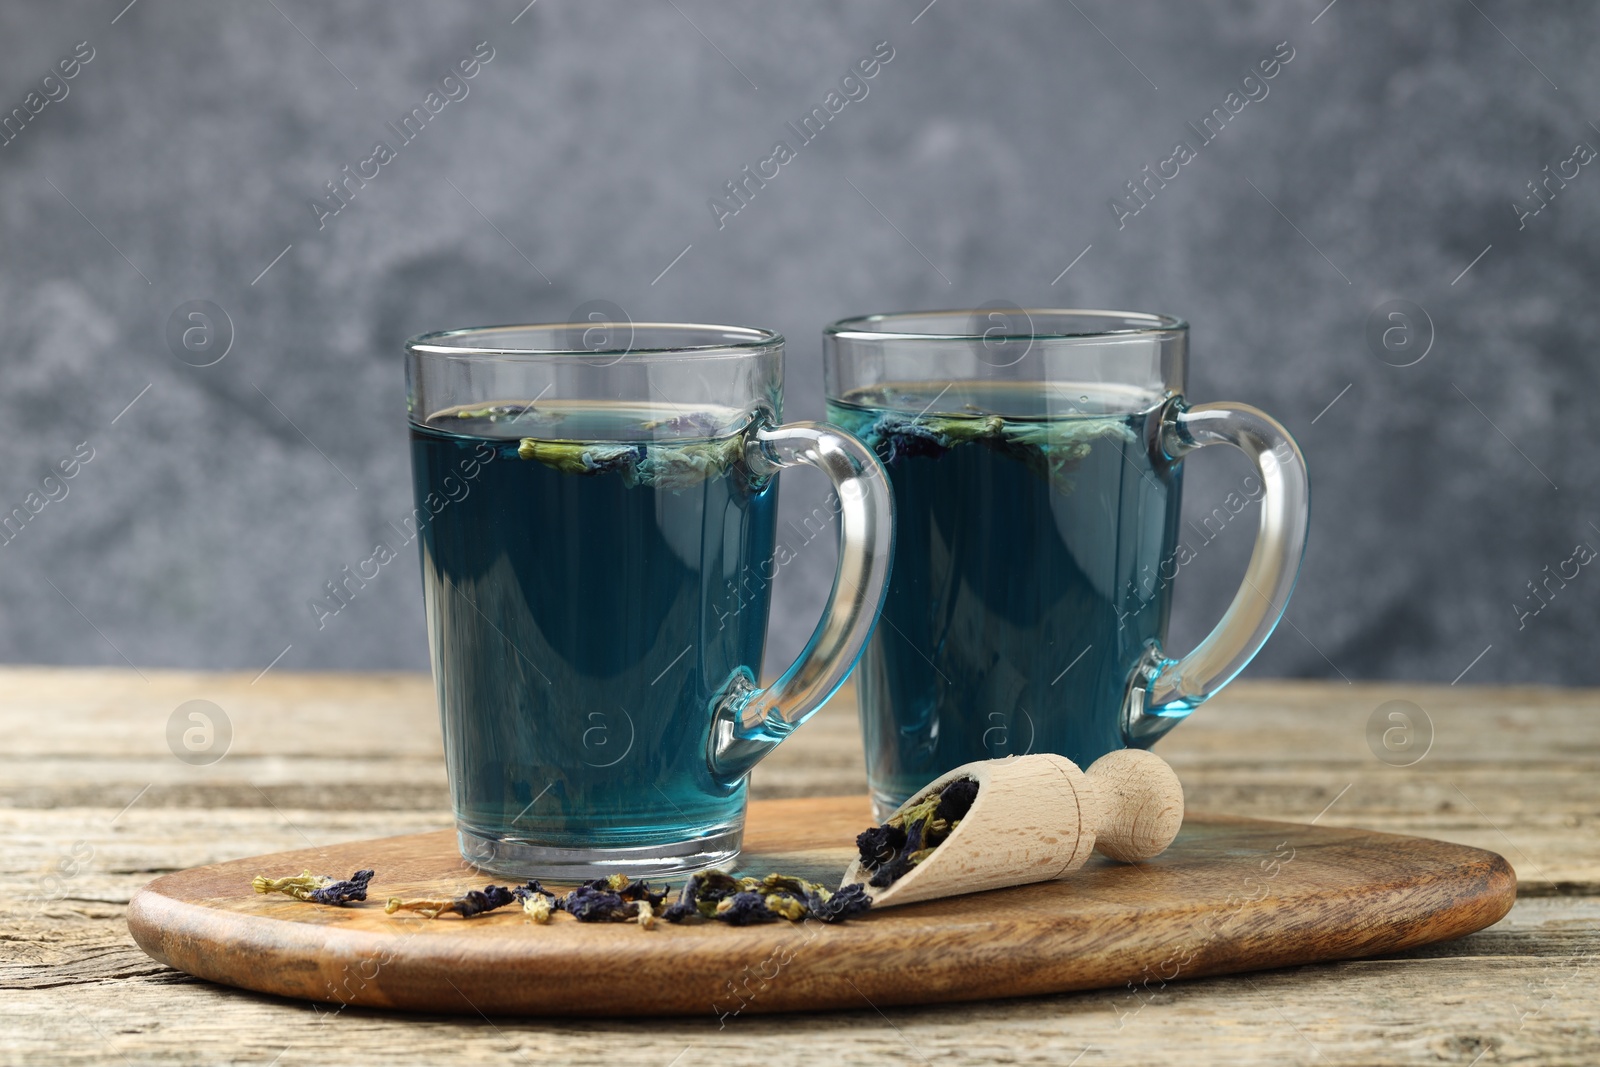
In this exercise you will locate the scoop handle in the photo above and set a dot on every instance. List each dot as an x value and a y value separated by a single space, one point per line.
1139 804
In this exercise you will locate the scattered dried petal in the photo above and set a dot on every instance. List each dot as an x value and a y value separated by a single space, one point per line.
687 906
537 902
744 909
316 888
351 889
742 901
615 898
840 905
472 902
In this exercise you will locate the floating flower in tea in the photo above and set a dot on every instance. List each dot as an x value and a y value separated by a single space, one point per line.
497 413
896 436
669 465
1051 449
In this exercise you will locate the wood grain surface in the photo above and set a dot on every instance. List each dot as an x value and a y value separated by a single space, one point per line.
1229 895
93 805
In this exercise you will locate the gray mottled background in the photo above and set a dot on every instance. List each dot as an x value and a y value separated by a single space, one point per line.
1385 159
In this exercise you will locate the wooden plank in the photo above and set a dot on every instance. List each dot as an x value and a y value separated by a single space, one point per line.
341 757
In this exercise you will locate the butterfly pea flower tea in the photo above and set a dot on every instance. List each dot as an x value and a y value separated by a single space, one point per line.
597 691
1035 459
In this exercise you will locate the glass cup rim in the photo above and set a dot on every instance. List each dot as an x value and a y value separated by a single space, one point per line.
743 340
860 327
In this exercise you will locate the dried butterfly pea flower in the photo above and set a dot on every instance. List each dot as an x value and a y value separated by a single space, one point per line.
688 905
612 899
591 903
879 844
838 905
891 872
720 896
785 906
909 837
955 800
539 907
472 902
537 902
744 909
714 895
317 888
344 892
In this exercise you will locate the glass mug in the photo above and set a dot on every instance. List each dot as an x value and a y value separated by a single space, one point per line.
1036 463
597 539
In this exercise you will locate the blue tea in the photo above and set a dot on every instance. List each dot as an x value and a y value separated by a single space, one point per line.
576 562
1027 575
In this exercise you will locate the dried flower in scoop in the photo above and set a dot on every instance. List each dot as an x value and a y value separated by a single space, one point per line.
955 800
909 837
317 888
472 902
879 845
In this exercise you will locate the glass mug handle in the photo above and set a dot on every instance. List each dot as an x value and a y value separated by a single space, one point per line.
749 722
1164 691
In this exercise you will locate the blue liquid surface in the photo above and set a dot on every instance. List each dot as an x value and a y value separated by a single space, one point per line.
580 615
1026 580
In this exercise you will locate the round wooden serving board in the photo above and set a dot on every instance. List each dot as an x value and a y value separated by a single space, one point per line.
1229 895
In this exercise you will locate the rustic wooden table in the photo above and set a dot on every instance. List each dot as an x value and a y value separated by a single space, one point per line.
93 803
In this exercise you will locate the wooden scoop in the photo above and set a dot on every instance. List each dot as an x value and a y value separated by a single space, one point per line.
1036 818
